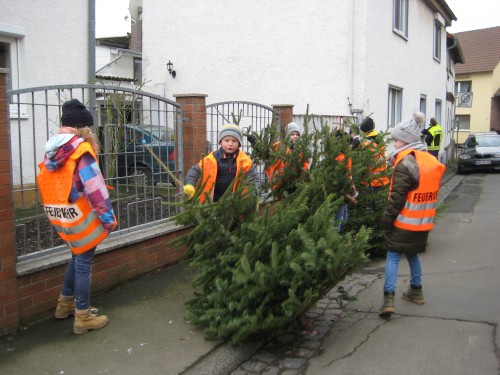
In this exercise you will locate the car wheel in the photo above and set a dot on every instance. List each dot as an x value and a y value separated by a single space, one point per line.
460 170
140 176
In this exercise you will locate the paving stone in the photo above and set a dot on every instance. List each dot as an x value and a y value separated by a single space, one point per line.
310 344
292 363
264 357
305 353
290 372
255 367
271 371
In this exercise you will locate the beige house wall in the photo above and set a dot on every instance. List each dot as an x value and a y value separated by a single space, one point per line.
482 90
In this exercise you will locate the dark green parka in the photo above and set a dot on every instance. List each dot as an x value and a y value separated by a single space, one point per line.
406 177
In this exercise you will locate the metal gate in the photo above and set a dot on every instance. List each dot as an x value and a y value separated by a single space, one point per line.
128 124
251 117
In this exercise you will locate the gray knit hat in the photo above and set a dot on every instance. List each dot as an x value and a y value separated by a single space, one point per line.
232 130
292 127
409 130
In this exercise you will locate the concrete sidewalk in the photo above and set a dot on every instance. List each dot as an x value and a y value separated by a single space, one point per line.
147 334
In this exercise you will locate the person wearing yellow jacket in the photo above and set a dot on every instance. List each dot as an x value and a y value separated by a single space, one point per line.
372 139
221 167
433 136
77 204
409 216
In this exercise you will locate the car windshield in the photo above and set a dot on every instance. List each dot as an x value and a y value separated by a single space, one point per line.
485 141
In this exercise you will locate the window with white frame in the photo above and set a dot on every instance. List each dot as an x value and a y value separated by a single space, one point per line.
463 122
395 106
400 17
463 86
437 110
423 104
11 58
437 41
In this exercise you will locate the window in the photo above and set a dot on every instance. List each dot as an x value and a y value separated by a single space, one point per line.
437 41
463 86
423 104
395 104
400 17
463 122
11 58
437 111
138 71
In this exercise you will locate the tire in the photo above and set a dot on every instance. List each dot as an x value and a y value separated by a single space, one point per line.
140 176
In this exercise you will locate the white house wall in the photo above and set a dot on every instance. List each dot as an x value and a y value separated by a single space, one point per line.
55 45
286 52
334 55
53 49
407 64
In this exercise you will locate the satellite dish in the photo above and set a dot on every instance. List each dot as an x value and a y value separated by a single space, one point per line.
135 9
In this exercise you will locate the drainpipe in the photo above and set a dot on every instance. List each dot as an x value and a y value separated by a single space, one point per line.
91 66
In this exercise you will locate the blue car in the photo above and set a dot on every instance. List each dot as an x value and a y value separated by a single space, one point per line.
125 157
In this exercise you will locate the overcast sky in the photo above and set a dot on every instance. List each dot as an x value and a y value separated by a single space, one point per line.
471 15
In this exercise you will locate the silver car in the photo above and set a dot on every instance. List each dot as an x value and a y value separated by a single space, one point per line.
481 151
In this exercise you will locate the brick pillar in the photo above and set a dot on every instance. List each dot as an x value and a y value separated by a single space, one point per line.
286 115
9 308
194 127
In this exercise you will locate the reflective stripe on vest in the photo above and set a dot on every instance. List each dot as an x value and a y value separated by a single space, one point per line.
420 208
76 223
209 169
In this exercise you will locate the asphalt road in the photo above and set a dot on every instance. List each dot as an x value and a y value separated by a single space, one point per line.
456 331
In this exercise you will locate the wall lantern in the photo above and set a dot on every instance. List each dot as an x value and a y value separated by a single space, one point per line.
170 68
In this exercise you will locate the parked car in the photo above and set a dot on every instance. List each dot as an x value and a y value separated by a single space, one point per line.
481 151
124 154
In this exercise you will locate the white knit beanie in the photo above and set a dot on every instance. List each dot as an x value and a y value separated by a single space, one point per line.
292 127
408 130
232 130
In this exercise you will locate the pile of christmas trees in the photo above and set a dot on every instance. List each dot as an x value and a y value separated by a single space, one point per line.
258 272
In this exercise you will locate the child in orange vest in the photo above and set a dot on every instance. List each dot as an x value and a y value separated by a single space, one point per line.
77 203
221 167
409 216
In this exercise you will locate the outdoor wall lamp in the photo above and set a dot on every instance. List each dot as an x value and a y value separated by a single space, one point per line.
170 68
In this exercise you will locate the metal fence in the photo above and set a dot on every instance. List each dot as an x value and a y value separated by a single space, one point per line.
129 124
333 121
251 117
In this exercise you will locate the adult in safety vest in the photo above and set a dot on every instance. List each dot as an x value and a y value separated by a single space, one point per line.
433 136
373 141
213 175
76 201
409 216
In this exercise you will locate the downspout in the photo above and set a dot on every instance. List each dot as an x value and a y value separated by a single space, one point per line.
91 66
120 54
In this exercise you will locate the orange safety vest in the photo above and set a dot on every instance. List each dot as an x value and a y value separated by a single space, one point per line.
76 223
277 168
379 179
209 172
420 208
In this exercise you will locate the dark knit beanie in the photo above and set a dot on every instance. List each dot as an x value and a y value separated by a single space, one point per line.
76 115
367 125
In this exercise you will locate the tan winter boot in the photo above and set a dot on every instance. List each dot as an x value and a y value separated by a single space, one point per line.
65 307
414 294
85 320
387 308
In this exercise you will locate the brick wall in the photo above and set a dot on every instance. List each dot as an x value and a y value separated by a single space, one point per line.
9 311
38 290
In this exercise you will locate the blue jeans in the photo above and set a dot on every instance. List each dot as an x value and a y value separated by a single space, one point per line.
391 270
342 215
77 278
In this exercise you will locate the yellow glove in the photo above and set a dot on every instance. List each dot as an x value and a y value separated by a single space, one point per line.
189 191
